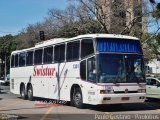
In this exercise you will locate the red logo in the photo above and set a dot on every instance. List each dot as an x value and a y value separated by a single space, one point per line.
43 71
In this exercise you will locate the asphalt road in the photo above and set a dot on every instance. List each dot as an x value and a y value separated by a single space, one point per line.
12 107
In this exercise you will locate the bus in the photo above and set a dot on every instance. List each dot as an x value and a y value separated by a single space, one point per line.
87 69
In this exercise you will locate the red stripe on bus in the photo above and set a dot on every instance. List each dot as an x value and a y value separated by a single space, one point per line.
48 105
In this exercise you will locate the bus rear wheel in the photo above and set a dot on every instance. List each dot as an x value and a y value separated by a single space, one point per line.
77 98
30 93
23 93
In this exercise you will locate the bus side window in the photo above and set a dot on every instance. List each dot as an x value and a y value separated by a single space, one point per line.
22 59
59 53
12 61
48 55
91 70
86 47
16 60
83 70
29 58
72 51
38 56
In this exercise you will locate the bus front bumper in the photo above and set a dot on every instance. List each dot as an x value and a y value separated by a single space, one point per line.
121 98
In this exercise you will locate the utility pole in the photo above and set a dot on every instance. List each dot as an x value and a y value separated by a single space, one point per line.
5 69
0 73
0 67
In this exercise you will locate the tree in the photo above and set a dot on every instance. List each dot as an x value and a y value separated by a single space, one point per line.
72 21
94 16
151 41
7 45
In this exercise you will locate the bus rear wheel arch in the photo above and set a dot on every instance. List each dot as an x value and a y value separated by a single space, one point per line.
23 91
30 92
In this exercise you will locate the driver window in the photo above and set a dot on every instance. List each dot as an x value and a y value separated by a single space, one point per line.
153 82
157 83
137 65
148 81
91 70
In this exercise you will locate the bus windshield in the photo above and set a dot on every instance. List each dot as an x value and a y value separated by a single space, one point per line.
120 68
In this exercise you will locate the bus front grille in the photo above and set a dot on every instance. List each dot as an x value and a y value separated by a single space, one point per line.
119 92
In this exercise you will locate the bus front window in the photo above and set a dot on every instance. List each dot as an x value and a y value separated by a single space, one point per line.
111 68
134 68
120 68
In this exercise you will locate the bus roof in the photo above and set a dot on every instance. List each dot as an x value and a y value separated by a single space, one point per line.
60 40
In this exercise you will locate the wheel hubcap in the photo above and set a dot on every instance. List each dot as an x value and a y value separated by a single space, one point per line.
22 92
77 98
29 92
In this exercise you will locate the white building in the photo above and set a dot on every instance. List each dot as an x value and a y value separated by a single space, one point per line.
153 66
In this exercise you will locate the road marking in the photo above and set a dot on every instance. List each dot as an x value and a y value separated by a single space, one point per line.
46 113
9 105
109 116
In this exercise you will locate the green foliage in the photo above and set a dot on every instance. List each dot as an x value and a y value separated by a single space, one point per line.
152 1
151 45
30 36
7 45
156 11
146 51
78 28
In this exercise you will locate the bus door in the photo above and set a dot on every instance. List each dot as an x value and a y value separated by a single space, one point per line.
88 73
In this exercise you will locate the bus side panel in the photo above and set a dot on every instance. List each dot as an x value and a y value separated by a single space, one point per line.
41 80
69 76
16 78
53 83
89 92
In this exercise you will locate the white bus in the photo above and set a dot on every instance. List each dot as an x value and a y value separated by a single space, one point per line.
87 69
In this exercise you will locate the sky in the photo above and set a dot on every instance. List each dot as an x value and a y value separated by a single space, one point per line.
15 15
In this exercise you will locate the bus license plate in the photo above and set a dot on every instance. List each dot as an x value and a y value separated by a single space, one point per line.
124 98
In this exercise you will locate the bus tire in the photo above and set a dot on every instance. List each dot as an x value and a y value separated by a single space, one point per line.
72 101
23 92
30 93
78 98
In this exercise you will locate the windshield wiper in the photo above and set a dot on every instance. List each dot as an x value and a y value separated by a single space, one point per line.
116 80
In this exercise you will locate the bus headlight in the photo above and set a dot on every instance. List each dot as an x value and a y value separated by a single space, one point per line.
106 91
141 90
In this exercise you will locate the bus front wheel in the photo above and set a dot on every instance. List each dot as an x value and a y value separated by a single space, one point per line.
30 92
77 98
